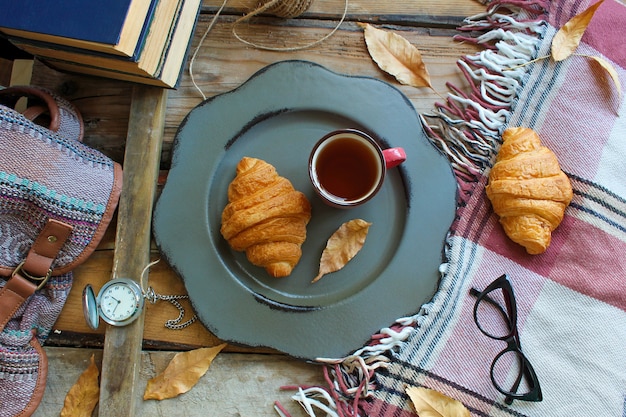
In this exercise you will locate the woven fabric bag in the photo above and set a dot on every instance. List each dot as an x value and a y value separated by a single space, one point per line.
57 197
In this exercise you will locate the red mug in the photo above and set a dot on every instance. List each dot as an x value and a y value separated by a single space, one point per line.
347 167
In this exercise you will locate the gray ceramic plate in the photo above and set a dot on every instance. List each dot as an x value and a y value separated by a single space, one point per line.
277 116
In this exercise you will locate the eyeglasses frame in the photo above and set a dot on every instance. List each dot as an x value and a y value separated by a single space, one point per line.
511 339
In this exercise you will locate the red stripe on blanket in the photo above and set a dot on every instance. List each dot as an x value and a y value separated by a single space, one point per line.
587 264
594 273
603 32
380 408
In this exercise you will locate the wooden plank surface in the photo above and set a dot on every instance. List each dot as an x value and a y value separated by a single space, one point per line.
223 63
242 381
6 69
122 347
420 12
235 385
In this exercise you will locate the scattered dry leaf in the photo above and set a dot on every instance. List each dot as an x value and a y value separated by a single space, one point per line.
568 37
181 374
612 72
82 398
396 56
431 403
342 246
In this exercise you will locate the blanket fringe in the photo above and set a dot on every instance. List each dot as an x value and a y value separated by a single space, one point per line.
466 128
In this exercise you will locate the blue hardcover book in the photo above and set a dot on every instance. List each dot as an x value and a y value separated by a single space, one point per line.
172 62
113 26
148 56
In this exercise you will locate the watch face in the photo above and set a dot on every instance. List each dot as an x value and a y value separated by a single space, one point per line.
120 301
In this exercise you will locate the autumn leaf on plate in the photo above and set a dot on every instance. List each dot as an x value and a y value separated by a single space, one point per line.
396 56
181 374
82 398
342 246
568 37
431 403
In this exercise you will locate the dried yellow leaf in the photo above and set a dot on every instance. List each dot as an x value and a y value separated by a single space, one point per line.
612 72
82 398
181 374
431 403
342 246
396 56
568 37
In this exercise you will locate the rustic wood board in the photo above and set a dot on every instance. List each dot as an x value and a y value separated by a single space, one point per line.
6 68
222 65
122 347
234 385
404 10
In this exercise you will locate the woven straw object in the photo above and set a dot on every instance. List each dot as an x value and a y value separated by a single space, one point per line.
286 8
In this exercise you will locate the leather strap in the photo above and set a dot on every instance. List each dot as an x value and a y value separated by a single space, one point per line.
12 296
46 247
33 112
37 264
40 385
15 92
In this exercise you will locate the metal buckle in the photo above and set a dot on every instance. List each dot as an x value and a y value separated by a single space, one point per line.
41 281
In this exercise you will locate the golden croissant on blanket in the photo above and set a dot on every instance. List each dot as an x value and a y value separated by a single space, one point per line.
528 190
265 217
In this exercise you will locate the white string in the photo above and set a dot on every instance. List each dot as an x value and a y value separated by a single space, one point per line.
267 48
195 52
292 48
143 273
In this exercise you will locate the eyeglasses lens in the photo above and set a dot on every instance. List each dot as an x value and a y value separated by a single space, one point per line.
492 316
509 371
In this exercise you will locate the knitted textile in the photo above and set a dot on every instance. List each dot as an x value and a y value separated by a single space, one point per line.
571 300
45 175
70 120
19 357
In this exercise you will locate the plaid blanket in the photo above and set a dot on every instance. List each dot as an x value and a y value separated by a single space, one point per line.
571 300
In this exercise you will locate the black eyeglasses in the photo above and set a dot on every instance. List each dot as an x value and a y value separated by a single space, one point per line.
510 367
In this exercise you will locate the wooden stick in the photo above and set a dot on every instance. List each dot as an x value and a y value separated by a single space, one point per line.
122 345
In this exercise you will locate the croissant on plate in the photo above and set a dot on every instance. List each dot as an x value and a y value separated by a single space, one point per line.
265 217
528 190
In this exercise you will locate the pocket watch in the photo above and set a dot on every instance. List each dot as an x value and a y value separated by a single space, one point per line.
119 302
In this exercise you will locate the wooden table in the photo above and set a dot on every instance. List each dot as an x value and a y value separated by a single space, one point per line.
242 381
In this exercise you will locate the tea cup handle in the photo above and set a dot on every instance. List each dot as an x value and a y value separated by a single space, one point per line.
394 157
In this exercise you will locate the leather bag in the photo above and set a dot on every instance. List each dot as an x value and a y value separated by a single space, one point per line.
57 197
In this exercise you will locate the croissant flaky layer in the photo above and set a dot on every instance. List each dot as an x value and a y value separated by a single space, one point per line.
265 217
528 190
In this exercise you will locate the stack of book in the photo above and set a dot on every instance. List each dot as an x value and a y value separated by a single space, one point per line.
144 41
